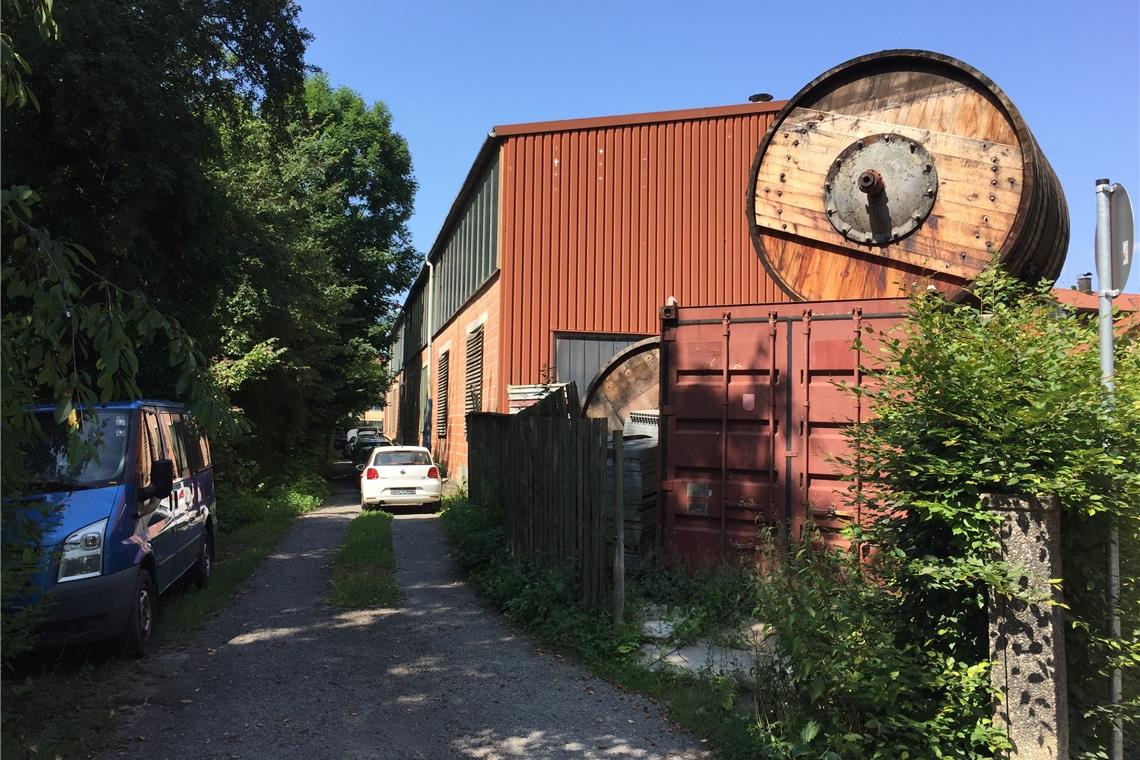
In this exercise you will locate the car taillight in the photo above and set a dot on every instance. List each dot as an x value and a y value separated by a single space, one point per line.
433 472
371 473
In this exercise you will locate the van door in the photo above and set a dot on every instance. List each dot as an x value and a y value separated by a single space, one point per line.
183 492
203 467
159 525
200 486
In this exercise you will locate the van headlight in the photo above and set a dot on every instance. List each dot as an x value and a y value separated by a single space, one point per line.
83 553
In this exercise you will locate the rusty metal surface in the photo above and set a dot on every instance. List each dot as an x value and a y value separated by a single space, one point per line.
753 418
625 120
600 224
880 189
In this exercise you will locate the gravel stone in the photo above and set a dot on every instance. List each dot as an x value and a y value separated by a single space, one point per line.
280 674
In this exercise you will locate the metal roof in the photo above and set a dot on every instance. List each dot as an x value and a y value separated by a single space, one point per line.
489 150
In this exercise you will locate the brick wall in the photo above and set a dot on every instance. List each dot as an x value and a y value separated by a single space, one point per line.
485 310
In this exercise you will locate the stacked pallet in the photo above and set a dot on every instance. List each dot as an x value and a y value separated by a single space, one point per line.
639 491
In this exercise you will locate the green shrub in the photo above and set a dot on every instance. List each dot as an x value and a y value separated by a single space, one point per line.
542 601
845 684
238 508
704 602
1001 395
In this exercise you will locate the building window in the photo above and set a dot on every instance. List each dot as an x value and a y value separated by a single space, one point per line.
441 396
473 377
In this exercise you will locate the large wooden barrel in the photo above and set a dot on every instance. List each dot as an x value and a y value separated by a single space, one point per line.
899 168
629 382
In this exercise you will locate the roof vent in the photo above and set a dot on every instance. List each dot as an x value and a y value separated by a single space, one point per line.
760 97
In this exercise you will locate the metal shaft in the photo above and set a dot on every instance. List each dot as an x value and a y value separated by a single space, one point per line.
1104 325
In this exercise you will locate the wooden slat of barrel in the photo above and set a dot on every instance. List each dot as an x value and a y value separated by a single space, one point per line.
996 196
629 382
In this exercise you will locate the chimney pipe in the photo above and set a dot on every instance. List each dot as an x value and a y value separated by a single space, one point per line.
1084 282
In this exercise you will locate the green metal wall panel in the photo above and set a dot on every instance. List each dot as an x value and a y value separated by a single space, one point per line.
471 255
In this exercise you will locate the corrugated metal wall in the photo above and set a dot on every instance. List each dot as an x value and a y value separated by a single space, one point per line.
472 254
577 358
413 330
413 389
600 225
396 362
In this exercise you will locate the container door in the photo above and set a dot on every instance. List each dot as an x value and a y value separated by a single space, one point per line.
754 416
825 359
723 401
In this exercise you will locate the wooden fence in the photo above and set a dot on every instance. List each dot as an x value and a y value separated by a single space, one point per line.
546 468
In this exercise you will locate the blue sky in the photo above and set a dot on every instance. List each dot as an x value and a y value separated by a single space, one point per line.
449 71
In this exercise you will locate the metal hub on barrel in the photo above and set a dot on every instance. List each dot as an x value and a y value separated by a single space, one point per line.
880 189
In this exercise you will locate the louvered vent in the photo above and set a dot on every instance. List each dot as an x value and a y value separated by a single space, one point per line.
473 381
441 396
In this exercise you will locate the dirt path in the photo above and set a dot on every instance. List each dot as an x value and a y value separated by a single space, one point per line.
281 675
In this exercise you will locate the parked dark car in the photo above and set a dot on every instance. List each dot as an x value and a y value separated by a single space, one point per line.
354 433
124 524
364 440
365 447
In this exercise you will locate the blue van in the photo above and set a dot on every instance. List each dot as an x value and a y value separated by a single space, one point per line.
123 525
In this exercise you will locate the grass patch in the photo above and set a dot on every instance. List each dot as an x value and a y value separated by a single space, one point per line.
364 571
64 704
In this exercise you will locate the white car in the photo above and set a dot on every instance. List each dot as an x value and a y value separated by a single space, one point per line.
400 476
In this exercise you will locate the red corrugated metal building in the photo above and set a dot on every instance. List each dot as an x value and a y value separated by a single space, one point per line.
567 236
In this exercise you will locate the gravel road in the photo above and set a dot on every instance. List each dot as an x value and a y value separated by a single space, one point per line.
279 674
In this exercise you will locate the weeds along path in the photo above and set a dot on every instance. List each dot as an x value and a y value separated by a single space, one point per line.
282 675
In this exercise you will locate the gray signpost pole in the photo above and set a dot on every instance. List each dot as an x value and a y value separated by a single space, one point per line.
1104 268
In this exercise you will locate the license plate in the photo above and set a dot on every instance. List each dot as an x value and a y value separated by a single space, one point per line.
403 492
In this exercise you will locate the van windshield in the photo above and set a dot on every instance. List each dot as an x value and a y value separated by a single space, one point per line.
50 467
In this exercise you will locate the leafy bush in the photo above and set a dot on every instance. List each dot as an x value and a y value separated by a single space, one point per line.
846 684
543 602
1001 395
238 508
707 601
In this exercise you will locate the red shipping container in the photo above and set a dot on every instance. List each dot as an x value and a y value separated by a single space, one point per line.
752 419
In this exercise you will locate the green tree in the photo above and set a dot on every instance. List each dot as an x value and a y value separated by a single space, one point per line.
105 130
242 228
120 147
320 221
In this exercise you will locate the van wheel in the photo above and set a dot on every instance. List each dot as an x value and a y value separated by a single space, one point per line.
204 567
140 622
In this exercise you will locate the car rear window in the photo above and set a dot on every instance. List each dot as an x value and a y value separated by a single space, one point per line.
384 457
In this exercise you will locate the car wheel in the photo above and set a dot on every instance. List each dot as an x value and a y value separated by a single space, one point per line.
135 637
204 567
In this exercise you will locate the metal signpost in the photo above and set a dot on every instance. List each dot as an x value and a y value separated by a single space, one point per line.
1114 249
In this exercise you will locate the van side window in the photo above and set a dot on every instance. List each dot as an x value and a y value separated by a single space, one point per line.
194 438
150 445
180 429
174 436
203 444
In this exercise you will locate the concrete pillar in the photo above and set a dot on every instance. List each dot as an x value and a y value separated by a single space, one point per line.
1027 640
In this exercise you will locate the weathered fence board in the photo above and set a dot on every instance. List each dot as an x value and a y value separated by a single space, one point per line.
545 468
